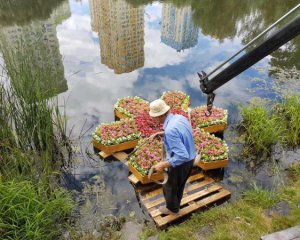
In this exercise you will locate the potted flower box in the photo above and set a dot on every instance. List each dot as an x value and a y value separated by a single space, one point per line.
176 100
130 107
116 136
149 154
216 122
214 151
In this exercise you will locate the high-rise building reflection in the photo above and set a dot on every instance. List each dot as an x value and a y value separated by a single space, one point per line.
121 32
178 30
39 38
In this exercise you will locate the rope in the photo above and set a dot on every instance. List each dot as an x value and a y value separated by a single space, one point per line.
253 40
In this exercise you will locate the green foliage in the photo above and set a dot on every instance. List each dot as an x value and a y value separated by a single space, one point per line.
263 126
262 130
290 111
29 211
260 197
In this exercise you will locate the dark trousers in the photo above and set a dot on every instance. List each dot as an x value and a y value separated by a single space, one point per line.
173 189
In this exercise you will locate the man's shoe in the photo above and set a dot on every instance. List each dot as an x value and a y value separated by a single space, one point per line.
166 211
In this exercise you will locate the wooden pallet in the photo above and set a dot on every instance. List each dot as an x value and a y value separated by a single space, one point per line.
200 192
121 156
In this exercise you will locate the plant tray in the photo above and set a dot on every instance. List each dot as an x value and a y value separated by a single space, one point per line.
144 179
120 115
213 164
115 148
215 128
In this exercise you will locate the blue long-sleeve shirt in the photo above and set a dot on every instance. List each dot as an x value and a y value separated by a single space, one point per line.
178 140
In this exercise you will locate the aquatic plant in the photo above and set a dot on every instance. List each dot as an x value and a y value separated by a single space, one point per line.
261 129
290 112
30 211
116 132
132 106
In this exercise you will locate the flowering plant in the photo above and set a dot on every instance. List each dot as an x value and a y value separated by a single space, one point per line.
132 106
210 147
199 119
116 132
147 156
176 99
147 125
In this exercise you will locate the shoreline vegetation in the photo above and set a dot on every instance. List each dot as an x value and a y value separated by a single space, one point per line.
34 148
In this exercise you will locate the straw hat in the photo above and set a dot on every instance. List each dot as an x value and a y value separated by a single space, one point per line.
158 107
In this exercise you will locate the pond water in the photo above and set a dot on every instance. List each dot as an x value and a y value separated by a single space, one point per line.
102 50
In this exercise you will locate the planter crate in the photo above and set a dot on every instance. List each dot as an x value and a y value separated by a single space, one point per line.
120 115
213 164
215 128
117 147
144 179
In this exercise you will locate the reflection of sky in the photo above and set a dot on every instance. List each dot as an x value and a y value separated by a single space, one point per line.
94 88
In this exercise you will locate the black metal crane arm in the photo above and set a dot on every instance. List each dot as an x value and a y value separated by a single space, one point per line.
276 40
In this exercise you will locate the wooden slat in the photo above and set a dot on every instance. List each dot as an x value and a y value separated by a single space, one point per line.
184 201
133 179
188 189
161 221
104 154
121 156
195 177
158 191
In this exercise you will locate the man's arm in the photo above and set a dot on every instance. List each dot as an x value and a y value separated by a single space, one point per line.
178 153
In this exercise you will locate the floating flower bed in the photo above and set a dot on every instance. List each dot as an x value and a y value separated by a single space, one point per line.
130 107
216 122
144 158
214 151
147 125
116 136
176 99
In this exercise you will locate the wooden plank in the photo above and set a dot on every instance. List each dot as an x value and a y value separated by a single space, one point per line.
188 189
213 164
133 179
121 156
158 191
187 199
195 177
117 147
104 154
191 208
215 128
145 179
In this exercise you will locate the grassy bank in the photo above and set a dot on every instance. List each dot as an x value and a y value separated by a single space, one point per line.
245 219
34 148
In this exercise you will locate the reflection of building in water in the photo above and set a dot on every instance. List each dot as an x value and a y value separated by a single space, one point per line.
40 41
178 30
121 33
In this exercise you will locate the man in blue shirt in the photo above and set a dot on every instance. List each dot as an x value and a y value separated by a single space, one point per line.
181 151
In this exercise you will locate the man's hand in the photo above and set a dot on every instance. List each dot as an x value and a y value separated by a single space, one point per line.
159 167
157 134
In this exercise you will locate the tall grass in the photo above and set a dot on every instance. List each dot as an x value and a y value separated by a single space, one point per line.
261 129
29 112
265 125
28 211
33 144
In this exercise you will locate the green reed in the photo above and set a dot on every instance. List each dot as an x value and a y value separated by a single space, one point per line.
29 211
33 145
261 129
264 125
